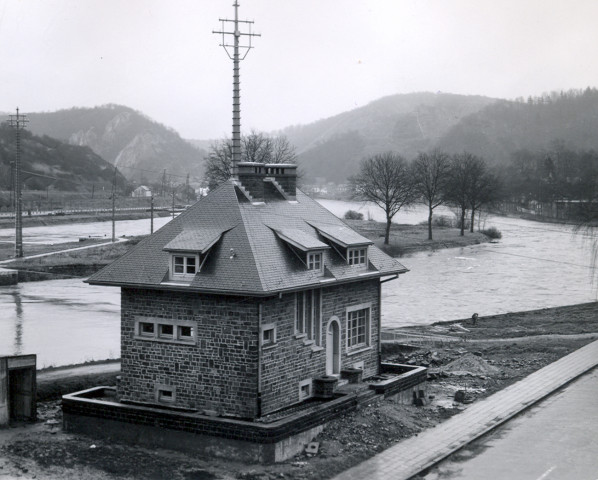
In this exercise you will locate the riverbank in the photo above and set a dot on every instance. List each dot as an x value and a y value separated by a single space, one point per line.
405 239
467 362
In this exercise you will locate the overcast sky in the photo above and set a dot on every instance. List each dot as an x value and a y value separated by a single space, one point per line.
316 58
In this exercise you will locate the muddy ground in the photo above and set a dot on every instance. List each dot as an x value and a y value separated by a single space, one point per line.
476 360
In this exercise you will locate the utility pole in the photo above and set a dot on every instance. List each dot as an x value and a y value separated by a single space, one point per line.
152 214
236 52
173 200
114 205
18 122
187 189
162 190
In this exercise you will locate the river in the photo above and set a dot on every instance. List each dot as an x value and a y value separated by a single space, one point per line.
533 266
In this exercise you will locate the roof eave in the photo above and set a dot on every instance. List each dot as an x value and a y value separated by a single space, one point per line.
248 293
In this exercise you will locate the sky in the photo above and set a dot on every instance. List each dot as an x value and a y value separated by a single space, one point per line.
314 59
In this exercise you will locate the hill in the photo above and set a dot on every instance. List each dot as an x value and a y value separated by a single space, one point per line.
404 123
74 168
498 130
140 147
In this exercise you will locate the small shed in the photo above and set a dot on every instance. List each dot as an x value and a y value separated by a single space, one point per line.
17 388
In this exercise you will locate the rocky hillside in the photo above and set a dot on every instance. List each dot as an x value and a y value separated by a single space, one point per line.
140 147
73 168
403 123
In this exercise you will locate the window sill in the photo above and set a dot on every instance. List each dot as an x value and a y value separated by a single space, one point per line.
308 342
300 335
316 348
358 350
269 346
165 340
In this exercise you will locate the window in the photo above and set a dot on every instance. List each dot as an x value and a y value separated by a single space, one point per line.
165 331
164 393
305 390
184 266
358 327
146 329
268 334
357 256
162 330
184 333
308 319
314 261
165 396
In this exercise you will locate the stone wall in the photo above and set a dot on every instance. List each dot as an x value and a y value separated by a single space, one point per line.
218 372
293 358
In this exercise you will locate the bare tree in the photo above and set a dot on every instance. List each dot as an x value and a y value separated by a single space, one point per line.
385 179
458 183
218 163
430 176
255 147
483 187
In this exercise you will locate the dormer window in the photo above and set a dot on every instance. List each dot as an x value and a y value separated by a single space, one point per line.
305 246
357 256
184 266
314 261
189 250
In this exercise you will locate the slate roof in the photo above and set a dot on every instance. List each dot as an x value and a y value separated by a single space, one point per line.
249 258
300 239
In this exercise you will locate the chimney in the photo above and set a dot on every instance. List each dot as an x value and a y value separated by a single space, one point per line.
268 181
285 176
251 176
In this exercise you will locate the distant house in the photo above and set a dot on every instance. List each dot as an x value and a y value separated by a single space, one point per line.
246 298
142 191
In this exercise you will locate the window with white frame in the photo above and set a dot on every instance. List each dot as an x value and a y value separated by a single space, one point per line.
314 261
165 393
268 334
305 389
184 266
357 256
308 318
358 326
162 330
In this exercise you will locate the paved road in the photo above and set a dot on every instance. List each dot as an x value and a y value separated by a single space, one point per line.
409 457
555 440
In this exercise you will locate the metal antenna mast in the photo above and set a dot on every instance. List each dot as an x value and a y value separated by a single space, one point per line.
239 52
18 121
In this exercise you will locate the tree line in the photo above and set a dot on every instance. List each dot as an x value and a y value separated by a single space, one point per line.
434 178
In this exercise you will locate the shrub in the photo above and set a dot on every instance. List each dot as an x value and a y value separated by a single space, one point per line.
353 215
492 232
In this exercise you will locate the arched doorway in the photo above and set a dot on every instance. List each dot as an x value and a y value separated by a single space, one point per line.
333 347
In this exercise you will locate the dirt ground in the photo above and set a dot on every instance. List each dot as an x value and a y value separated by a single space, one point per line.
469 362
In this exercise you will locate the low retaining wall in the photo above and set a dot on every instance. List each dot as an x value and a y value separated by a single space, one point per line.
86 412
407 378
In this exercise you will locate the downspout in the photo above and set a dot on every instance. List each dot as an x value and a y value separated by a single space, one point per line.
259 360
379 327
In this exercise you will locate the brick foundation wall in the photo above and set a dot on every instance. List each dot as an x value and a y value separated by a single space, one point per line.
291 360
85 404
218 373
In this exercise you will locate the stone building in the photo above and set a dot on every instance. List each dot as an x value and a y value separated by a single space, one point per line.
236 307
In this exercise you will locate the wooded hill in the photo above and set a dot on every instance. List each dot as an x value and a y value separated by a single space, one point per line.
75 168
569 119
406 124
490 128
140 147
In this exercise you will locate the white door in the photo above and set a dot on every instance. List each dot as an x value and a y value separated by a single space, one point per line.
333 347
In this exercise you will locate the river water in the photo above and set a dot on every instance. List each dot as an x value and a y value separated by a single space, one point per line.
533 266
